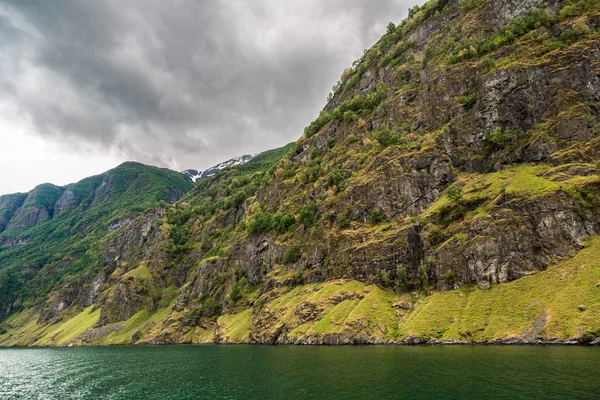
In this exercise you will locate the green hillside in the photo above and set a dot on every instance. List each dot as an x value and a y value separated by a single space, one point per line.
449 191
67 244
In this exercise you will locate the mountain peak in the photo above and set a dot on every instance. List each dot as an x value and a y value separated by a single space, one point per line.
196 175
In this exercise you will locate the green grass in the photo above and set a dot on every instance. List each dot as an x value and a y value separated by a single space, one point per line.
522 181
23 330
235 328
142 272
509 310
347 306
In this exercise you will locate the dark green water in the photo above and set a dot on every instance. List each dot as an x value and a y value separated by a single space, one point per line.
261 372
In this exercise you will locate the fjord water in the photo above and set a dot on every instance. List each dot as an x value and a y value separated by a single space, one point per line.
262 372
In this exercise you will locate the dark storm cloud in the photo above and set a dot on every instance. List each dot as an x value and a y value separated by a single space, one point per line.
180 83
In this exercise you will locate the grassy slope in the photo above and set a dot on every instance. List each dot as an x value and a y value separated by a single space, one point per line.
506 311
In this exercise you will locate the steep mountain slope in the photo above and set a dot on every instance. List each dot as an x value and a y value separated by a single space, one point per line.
447 192
52 233
195 175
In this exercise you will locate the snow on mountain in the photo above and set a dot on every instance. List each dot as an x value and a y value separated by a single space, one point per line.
195 175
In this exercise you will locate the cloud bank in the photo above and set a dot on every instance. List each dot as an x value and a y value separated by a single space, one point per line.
183 83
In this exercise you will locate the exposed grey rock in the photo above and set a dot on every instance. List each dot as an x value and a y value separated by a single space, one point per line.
404 305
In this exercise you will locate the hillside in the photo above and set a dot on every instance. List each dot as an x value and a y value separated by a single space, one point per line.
52 234
448 191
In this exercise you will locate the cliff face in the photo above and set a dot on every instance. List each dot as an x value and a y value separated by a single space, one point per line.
447 192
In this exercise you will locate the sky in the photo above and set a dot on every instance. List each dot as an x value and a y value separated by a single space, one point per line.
87 85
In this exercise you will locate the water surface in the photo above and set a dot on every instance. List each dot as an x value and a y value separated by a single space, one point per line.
263 372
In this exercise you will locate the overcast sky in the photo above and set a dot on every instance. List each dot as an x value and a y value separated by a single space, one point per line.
86 85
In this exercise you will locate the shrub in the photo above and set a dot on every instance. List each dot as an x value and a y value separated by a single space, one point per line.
384 278
454 193
350 116
336 179
470 4
402 74
298 278
495 140
377 216
387 137
282 222
520 26
342 220
487 65
352 138
423 275
468 100
449 277
401 277
436 237
291 255
236 293
598 168
261 223
572 10
330 143
308 214
591 335
359 104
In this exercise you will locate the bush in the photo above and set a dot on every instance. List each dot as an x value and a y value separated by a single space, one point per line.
520 26
352 138
580 7
291 255
454 193
470 4
342 220
308 214
449 277
423 275
436 237
468 100
261 223
386 137
401 278
283 222
298 278
236 293
359 105
495 140
377 216
487 65
384 278
598 168
350 116
336 179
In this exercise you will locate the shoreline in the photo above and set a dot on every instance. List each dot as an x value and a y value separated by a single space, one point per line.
407 343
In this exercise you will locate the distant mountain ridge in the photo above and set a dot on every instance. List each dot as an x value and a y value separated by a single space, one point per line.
46 201
195 175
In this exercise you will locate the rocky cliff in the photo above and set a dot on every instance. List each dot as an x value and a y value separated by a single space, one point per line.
448 192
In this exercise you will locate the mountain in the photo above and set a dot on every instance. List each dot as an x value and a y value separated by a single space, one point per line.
54 233
448 192
195 175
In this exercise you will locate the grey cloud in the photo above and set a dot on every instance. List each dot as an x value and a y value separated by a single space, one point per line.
184 83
